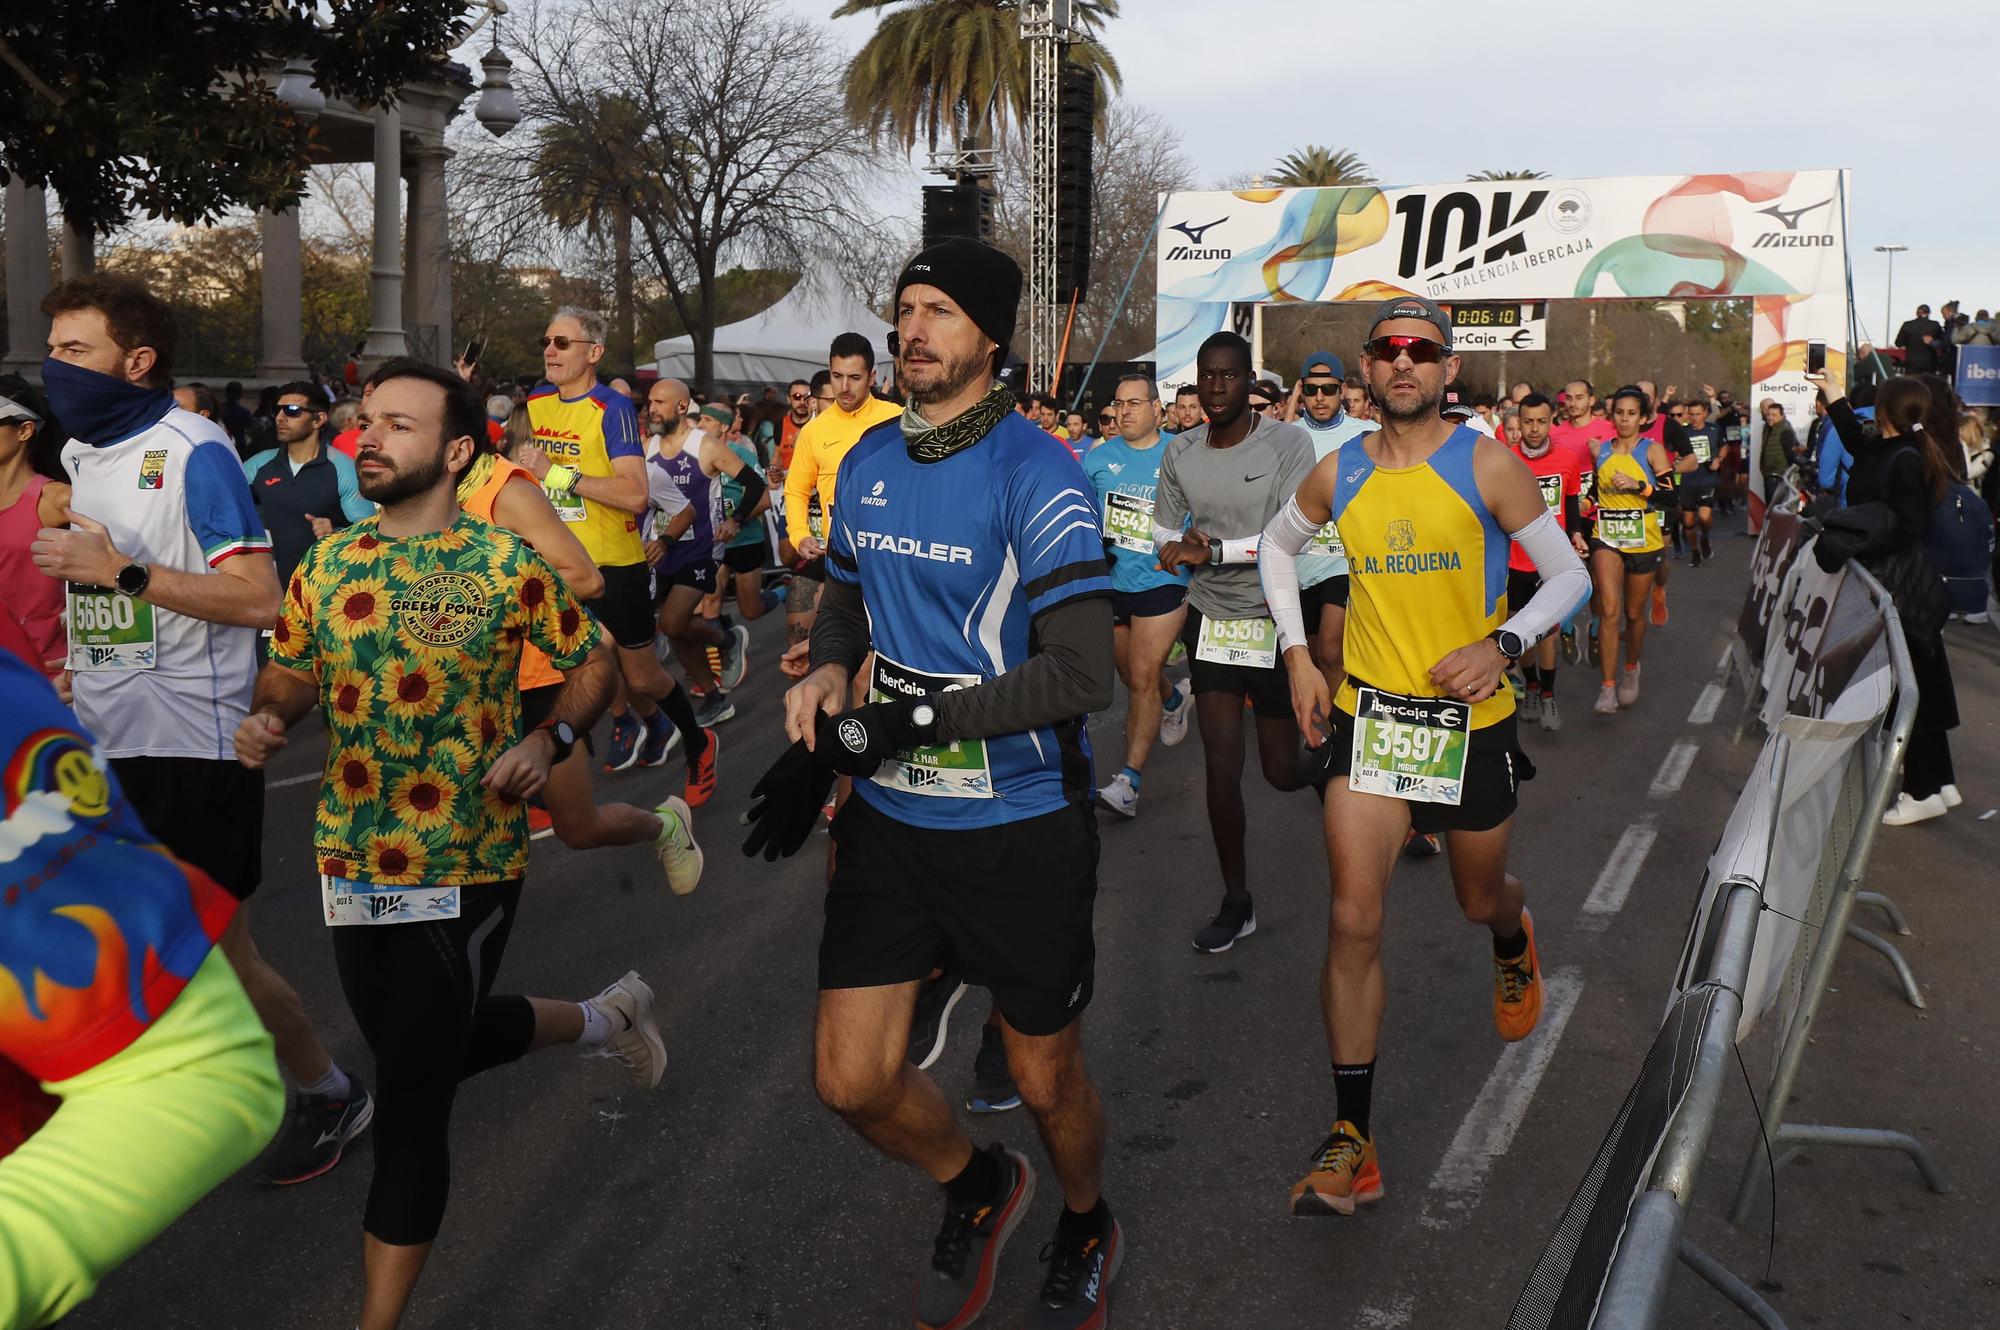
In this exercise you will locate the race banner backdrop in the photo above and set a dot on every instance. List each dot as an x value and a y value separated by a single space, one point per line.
1777 238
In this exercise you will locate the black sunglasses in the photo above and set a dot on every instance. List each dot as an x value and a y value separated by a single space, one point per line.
565 343
1420 350
295 409
1319 389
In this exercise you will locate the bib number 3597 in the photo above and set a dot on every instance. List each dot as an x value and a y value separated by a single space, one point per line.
1409 747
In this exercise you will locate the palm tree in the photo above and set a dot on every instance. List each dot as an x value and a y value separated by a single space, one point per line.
956 70
580 187
1315 166
1508 175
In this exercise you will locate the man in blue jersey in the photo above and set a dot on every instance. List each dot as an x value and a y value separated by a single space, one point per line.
1148 605
966 553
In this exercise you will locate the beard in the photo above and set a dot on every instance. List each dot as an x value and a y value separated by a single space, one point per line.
1426 403
944 376
400 485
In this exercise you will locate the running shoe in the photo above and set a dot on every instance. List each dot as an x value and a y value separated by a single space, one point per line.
1707 550
1659 606
1174 723
1421 845
1075 1291
713 656
1607 700
1531 706
826 813
1177 652
1907 810
315 1133
1590 652
712 708
701 772
936 999
635 1039
1551 718
1570 651
1517 989
1236 919
735 657
660 738
993 1089
957 1280
679 855
1119 796
1344 1174
1517 685
540 825
1628 686
1696 557
625 734
1949 793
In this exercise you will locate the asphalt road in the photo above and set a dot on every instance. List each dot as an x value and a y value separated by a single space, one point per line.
729 1198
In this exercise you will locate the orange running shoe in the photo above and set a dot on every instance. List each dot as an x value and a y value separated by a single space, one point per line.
701 773
1517 989
540 824
1659 606
1344 1174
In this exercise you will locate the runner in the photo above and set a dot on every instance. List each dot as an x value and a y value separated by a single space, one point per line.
975 755
161 1083
1667 426
588 457
303 489
1187 408
746 552
421 837
1698 487
33 495
497 491
170 579
1323 566
1222 481
1147 605
798 410
1628 545
1580 429
1559 473
1425 509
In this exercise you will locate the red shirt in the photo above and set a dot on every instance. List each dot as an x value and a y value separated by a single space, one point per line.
348 440
1559 471
1591 431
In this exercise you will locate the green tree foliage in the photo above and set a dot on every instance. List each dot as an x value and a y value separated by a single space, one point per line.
1317 166
1508 175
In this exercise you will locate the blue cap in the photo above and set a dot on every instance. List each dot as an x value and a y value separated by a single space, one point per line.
1325 362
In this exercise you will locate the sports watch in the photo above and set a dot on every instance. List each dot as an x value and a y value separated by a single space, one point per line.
563 736
562 479
1215 550
134 578
924 717
1510 644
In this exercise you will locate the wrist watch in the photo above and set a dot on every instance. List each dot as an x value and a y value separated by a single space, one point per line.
562 478
1215 550
1510 644
923 716
562 736
134 578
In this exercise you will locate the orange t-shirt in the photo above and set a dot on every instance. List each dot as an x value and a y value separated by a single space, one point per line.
537 671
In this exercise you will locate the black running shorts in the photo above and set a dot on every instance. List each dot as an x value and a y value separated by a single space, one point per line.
1148 604
538 704
1269 690
626 608
1011 904
1636 565
1521 588
1494 770
700 576
747 558
1314 600
207 812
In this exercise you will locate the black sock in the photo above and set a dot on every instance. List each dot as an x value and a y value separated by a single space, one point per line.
1534 677
1549 681
1092 1223
681 712
1511 948
1353 1088
978 1181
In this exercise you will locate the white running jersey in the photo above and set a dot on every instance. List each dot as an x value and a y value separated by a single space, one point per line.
173 496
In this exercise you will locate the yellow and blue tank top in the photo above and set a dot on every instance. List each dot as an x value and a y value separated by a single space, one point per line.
1427 569
1611 462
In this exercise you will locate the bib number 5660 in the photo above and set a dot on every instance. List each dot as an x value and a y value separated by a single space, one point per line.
102 614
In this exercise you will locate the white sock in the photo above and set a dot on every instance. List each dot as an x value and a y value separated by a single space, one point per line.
596 1027
333 1085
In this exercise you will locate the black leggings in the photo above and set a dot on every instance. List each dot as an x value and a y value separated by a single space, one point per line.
421 994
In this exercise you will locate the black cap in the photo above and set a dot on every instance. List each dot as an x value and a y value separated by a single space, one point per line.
1456 402
1413 307
981 280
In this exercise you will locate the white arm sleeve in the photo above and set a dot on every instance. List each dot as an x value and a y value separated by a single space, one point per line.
1564 582
1163 536
1278 569
1243 550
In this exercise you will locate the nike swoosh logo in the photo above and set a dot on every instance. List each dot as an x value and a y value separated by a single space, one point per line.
1259 476
327 1138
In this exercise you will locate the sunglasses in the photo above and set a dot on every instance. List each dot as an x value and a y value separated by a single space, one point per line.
1106 419
564 343
294 409
1420 350
1319 389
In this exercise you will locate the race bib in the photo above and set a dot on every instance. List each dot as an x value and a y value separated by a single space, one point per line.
1410 747
1128 521
1702 450
1622 528
347 902
1250 642
815 520
109 630
1552 492
1327 541
946 771
569 507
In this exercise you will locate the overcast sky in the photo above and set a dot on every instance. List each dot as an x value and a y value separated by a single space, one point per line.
1902 95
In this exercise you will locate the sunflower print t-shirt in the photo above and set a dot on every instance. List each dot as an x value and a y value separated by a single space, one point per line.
416 644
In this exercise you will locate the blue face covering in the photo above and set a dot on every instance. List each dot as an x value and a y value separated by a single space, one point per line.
98 408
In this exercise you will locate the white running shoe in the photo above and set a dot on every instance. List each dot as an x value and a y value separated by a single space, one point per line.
1628 686
1174 724
1551 718
679 855
735 657
635 1039
1607 700
1907 810
1531 706
1949 793
1119 796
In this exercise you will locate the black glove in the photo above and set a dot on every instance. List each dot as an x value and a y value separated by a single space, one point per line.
785 803
854 743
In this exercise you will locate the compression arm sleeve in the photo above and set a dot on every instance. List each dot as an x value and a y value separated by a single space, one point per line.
753 490
1564 582
1573 514
1240 551
1278 569
1067 674
840 629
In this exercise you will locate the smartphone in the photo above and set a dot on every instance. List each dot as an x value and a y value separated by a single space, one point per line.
475 346
1815 357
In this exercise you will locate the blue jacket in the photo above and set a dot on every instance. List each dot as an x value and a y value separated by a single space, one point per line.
325 487
1835 461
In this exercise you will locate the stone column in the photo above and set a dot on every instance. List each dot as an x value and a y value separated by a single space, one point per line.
79 251
279 357
385 271
427 249
27 279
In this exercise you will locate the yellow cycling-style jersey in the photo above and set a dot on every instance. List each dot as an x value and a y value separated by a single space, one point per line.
587 432
816 454
1615 526
1427 570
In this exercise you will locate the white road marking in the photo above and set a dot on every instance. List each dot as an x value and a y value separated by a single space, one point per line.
1607 896
291 780
1502 1104
1728 656
1674 769
1706 705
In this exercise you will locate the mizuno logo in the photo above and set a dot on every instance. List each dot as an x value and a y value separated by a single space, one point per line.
1792 240
1790 216
1195 233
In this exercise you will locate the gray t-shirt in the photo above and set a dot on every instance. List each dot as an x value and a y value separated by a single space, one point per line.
1231 493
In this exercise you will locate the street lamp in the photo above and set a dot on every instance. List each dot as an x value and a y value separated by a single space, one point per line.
1889 297
297 90
497 109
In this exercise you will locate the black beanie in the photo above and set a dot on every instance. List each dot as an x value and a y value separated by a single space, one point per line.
981 280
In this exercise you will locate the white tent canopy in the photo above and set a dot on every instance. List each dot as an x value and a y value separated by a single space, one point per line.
787 341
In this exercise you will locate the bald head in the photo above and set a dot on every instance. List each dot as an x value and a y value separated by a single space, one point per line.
667 405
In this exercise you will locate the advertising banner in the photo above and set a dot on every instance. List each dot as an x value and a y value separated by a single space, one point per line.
1979 375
